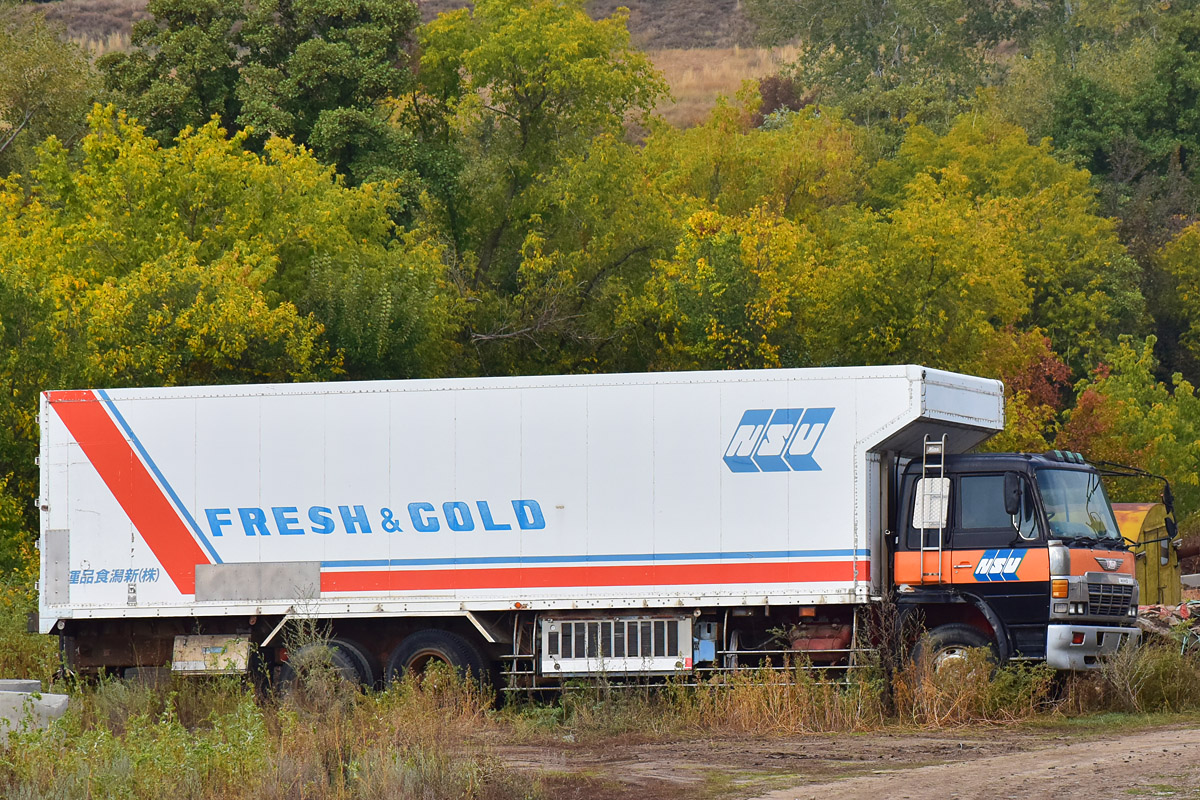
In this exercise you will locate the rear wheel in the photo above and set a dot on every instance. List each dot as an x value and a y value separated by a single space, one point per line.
423 649
340 658
948 645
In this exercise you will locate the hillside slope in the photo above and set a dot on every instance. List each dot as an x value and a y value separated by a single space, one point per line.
659 24
654 24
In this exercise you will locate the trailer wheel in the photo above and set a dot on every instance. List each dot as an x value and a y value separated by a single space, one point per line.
948 644
424 648
343 657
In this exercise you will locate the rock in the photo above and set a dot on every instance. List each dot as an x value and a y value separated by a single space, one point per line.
19 685
27 710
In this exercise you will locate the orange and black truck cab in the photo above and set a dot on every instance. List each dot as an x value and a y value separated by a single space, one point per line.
1018 551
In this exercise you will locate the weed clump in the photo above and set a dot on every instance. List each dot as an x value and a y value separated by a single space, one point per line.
972 689
119 739
1157 676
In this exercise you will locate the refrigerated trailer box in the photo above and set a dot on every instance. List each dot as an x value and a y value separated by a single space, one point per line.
398 509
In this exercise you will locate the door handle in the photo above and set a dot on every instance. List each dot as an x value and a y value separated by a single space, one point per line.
962 566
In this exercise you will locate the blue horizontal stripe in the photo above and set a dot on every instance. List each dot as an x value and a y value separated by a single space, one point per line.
597 559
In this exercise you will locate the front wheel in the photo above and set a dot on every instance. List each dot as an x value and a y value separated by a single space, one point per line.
949 644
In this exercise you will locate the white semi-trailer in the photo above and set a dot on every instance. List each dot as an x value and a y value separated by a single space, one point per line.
559 526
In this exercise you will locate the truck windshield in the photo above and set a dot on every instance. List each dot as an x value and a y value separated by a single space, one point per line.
1076 505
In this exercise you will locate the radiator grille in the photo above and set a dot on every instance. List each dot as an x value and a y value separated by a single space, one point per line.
616 639
1109 599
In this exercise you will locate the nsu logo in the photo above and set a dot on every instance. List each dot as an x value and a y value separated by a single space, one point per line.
777 440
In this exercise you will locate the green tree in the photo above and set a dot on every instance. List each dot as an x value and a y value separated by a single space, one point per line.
602 220
726 296
889 62
46 86
136 264
1179 262
803 163
183 69
529 84
318 71
518 92
934 280
1124 414
1085 288
321 72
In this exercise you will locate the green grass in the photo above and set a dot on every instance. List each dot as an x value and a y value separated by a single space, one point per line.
211 738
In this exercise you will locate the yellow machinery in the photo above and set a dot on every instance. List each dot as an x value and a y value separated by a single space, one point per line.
1156 553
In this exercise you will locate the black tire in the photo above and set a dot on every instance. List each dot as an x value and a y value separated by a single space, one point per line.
345 657
365 664
947 644
423 648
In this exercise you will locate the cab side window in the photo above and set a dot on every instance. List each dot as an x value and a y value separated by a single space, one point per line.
981 521
981 503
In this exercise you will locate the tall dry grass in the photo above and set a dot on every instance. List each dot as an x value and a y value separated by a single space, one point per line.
96 24
101 44
766 701
216 739
697 77
973 690
432 738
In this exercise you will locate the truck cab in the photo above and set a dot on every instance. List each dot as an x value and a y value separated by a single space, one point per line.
1020 552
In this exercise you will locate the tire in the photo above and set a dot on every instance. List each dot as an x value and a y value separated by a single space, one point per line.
364 663
947 644
345 657
423 648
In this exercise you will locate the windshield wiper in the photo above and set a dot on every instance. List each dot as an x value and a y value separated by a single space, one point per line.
1071 541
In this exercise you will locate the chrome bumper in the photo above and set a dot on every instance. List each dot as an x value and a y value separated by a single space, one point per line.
1097 641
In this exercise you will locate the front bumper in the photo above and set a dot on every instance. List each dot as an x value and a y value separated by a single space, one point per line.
1097 641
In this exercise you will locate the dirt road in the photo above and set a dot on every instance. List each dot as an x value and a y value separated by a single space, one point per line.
1157 763
972 764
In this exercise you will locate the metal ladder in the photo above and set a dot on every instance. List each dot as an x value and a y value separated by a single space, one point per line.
933 470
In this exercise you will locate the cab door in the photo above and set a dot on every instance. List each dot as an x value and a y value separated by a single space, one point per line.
1001 558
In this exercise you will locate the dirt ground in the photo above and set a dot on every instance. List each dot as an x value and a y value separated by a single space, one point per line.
973 763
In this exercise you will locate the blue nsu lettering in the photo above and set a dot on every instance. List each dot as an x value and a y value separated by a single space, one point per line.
354 519
999 565
777 440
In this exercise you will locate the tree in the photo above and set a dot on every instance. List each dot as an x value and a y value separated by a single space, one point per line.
1123 414
1085 288
521 104
1179 262
321 71
888 62
934 280
602 220
725 299
145 265
528 86
46 86
317 71
805 162
183 69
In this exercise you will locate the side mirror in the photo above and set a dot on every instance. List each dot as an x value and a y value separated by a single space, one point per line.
1012 494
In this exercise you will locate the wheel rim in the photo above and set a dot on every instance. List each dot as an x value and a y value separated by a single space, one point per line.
421 660
948 657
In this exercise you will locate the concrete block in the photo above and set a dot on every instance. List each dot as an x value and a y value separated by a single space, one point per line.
19 685
25 710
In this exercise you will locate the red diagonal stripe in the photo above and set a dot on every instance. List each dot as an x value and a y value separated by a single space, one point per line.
131 483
